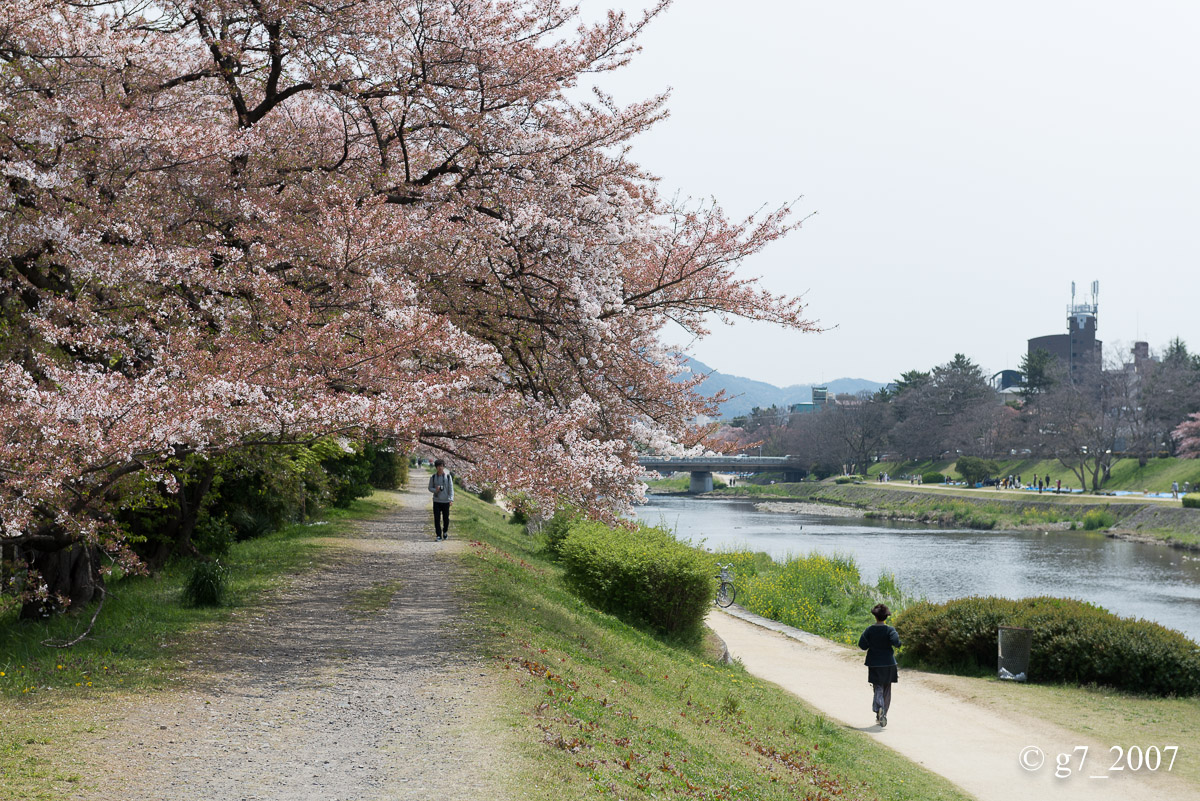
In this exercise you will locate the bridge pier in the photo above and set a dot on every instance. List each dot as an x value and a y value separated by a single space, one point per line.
700 481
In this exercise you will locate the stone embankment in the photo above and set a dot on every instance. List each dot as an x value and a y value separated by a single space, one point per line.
1151 522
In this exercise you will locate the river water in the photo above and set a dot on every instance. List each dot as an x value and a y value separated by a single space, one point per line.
1130 579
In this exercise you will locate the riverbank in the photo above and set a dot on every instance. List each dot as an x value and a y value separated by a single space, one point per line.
987 509
603 708
1128 475
973 730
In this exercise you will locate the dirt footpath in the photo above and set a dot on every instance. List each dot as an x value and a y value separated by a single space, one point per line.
978 746
317 697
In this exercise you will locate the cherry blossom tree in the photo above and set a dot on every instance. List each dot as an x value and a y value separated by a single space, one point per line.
267 221
1187 436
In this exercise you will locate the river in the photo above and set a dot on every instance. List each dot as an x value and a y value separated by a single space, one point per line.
1128 578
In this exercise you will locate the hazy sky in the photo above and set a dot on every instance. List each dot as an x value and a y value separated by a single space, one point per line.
967 162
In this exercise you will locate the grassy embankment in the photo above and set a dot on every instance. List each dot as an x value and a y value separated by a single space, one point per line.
598 707
614 693
987 509
49 695
1125 474
826 596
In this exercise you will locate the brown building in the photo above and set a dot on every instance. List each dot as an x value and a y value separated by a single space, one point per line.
1078 348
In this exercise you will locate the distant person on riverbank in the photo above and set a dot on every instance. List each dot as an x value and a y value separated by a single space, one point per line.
1058 487
879 641
1174 489
441 484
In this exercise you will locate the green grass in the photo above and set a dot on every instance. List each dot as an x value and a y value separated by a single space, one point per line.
599 708
144 620
1125 474
819 594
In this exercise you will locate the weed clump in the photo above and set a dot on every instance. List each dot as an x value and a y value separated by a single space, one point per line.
206 584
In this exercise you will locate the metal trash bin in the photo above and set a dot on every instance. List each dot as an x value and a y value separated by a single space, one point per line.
1015 645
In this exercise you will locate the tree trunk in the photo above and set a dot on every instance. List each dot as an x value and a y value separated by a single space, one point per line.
71 573
188 502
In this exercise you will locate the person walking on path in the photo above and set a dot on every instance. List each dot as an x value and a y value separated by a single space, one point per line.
441 484
878 641
1174 489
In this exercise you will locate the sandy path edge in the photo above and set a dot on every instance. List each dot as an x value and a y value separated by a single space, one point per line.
976 745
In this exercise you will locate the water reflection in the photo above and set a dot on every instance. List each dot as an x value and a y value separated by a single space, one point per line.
1128 578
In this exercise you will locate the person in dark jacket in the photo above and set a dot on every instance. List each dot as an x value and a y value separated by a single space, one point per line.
878 641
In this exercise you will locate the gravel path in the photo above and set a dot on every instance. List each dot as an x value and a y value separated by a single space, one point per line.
312 697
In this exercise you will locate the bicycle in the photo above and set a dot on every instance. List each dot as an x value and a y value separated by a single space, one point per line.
726 592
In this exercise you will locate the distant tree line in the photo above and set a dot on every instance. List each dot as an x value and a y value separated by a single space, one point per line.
1146 409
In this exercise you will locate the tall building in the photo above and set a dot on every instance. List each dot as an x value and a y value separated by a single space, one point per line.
1078 349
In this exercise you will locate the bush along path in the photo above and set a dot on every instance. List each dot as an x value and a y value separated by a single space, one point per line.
354 683
962 735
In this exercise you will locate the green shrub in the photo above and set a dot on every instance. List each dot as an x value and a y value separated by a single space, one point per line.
1073 642
558 527
251 523
974 470
487 495
1191 501
348 476
933 478
847 479
644 576
389 467
205 585
1095 519
955 635
213 535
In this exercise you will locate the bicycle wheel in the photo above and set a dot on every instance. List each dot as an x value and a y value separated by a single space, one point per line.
725 594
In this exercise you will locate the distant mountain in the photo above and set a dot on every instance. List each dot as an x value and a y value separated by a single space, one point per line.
746 393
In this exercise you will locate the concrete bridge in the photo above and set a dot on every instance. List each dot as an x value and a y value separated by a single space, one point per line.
703 467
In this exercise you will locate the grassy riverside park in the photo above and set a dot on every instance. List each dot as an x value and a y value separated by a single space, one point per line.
599 707
592 704
1125 474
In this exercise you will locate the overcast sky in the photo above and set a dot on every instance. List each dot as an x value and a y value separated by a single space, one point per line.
967 162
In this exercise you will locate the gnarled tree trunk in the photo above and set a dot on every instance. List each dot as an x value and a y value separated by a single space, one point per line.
72 573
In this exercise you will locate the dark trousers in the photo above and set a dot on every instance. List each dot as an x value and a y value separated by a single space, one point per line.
883 697
441 518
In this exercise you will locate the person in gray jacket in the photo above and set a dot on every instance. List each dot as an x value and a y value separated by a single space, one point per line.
441 484
878 641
